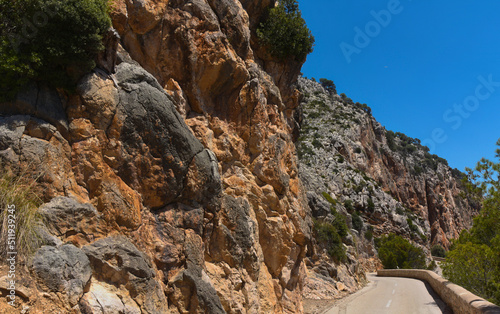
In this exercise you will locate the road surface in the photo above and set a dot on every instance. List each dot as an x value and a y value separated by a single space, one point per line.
391 295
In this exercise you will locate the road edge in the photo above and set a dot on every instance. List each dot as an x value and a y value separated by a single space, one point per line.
456 297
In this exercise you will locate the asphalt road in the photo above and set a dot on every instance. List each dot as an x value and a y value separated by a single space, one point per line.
392 295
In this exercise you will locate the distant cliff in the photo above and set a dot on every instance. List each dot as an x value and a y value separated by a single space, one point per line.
350 162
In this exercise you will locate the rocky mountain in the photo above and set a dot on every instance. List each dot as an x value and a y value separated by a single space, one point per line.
171 183
382 182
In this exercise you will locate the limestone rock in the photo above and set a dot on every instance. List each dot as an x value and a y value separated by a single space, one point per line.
115 260
155 124
183 152
63 269
41 102
69 219
360 166
103 298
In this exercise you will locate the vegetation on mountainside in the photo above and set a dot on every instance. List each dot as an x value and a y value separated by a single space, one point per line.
369 233
348 205
328 198
398 142
284 32
405 145
349 102
473 261
19 215
328 85
396 252
54 41
329 234
357 222
438 251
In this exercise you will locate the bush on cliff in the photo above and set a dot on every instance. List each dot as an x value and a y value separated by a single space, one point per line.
438 250
329 235
328 85
357 222
284 32
396 252
474 259
55 41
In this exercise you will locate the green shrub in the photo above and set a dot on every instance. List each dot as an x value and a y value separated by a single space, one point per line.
328 236
303 151
348 205
474 267
357 222
314 115
346 100
432 265
284 32
413 227
473 260
328 85
370 205
369 235
399 211
359 188
363 107
329 198
17 197
457 174
396 252
438 250
320 105
423 237
389 136
54 41
339 223
316 143
408 145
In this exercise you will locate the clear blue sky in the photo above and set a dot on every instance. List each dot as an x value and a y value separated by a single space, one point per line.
418 68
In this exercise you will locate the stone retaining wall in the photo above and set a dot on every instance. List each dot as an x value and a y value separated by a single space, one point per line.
458 298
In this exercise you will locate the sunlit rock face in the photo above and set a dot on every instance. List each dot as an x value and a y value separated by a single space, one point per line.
172 185
395 185
180 167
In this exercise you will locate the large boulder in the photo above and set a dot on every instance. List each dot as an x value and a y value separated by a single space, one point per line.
116 262
151 120
67 218
64 269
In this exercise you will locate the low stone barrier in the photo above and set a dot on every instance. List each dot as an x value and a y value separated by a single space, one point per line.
458 298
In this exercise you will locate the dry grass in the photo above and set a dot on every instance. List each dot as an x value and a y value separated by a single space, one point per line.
19 190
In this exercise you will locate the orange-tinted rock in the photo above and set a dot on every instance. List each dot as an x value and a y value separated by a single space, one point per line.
214 205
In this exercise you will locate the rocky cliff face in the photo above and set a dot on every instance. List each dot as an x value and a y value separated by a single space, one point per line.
171 186
358 159
350 163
